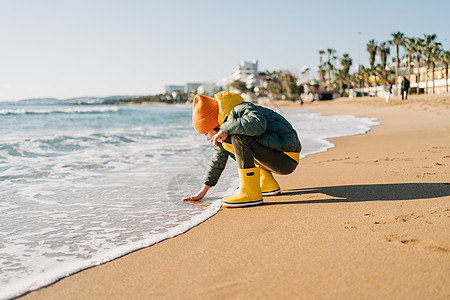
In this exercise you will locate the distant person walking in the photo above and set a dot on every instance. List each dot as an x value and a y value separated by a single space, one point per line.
387 91
405 88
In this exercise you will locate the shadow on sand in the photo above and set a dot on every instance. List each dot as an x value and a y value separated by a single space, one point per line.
369 192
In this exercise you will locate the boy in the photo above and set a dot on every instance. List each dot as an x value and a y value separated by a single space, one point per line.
259 139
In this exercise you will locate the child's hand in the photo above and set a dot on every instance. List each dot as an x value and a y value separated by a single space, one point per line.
197 196
193 197
220 136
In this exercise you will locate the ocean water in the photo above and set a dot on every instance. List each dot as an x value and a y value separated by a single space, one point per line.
81 185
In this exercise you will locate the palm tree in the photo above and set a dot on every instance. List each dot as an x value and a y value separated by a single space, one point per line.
384 51
380 72
372 49
419 45
353 80
321 75
445 59
330 65
346 62
330 68
363 74
340 76
409 48
398 39
288 84
321 52
428 40
305 72
435 56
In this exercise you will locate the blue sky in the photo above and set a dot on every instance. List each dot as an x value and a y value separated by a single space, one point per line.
66 49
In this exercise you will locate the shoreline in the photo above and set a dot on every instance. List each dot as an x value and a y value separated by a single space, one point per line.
354 221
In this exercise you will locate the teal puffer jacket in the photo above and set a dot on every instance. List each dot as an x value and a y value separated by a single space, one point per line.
271 129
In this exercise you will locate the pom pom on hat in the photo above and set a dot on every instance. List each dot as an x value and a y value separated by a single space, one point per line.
205 114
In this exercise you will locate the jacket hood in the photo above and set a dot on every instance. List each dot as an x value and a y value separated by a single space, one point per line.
227 101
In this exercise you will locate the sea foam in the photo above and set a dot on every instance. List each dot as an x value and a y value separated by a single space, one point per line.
67 110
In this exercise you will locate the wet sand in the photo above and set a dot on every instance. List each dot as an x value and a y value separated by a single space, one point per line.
368 219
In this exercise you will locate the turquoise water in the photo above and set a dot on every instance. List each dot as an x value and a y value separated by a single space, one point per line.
81 185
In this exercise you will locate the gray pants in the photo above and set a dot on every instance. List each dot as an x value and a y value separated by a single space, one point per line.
248 151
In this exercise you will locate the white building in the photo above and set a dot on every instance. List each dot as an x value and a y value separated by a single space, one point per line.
208 89
242 72
191 86
174 88
255 81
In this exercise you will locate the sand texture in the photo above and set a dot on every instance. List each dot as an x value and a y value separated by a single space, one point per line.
368 219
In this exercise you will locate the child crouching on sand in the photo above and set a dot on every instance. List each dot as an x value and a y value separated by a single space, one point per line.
259 139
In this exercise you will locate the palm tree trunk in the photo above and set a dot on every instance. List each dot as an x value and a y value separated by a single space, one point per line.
329 78
376 86
409 67
320 79
397 69
433 67
426 80
418 75
446 77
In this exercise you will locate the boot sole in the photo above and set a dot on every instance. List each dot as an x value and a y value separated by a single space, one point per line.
242 204
272 193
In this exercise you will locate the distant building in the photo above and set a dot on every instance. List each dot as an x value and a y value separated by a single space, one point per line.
242 72
256 81
174 88
191 86
423 78
208 89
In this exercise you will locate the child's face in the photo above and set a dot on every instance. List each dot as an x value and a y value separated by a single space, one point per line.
210 134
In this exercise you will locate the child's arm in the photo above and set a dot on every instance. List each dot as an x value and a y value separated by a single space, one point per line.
212 174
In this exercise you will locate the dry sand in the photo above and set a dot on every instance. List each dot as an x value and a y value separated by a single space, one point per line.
367 219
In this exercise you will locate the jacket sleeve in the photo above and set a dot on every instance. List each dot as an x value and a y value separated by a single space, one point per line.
246 120
215 167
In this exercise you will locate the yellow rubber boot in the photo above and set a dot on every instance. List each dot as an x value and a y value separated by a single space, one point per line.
269 186
249 192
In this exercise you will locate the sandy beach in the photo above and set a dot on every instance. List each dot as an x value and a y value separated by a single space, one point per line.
368 219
